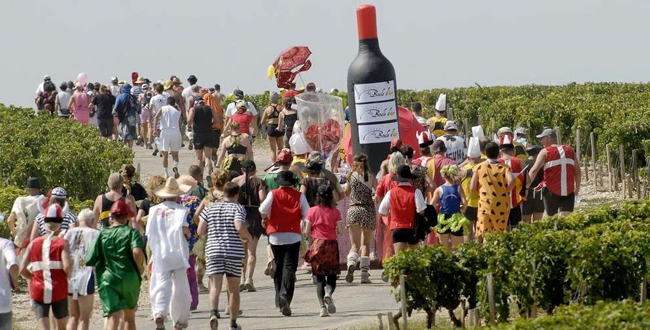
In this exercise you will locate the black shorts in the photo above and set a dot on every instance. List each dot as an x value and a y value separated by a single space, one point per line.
105 127
59 308
554 203
514 218
404 236
205 140
534 203
272 131
471 213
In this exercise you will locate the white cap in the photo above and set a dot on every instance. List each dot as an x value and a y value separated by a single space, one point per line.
477 132
113 78
450 126
47 77
474 149
520 131
441 105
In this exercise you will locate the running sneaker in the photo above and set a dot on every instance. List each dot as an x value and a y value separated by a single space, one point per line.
323 312
329 302
249 285
176 174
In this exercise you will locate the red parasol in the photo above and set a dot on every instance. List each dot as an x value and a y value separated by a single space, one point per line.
290 63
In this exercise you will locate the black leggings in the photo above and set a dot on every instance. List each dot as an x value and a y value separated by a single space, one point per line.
323 282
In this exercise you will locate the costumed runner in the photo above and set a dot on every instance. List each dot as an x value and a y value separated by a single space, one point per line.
437 123
473 159
452 225
47 266
516 167
118 257
23 213
494 183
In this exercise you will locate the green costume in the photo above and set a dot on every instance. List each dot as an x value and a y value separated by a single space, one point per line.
118 278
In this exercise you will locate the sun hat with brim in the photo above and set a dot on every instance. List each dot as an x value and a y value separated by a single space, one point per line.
546 132
172 189
439 146
176 81
241 104
168 85
140 80
53 213
286 178
187 180
33 183
404 174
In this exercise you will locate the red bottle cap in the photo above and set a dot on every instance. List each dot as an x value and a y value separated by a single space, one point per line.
367 22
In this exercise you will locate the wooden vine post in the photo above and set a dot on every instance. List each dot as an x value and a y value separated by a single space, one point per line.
621 159
490 287
609 169
635 175
647 173
592 141
402 293
644 290
391 326
578 155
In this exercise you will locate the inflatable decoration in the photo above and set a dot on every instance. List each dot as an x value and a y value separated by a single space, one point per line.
372 94
321 121
134 77
289 64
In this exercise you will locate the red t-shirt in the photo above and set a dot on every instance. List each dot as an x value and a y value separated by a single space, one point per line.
323 222
244 120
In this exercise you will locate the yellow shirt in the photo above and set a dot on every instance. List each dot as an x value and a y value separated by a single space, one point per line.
472 196
438 126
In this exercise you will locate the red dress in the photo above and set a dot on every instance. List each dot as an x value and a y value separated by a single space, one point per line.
49 282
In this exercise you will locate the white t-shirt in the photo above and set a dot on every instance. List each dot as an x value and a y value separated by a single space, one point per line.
455 147
79 240
169 248
230 110
7 259
169 117
63 99
115 90
41 88
156 103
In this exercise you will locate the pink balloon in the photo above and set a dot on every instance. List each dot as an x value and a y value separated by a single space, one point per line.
82 78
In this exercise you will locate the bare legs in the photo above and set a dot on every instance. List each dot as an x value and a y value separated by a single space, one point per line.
80 311
276 144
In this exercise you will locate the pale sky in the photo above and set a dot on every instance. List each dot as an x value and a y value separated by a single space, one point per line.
432 44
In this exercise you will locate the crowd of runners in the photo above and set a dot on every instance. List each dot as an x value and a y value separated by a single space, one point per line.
181 228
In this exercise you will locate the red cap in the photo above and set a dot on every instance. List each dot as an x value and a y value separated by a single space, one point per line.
396 143
120 208
285 157
367 22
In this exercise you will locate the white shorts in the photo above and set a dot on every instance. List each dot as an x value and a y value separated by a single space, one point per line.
170 140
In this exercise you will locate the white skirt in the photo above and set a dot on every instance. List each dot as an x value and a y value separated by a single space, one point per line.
170 139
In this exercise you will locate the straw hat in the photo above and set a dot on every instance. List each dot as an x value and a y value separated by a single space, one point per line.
172 189
140 80
187 180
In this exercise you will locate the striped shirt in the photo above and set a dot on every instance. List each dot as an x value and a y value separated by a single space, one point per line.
69 220
223 238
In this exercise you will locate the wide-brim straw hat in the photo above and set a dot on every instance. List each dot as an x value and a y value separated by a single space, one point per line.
172 189
187 180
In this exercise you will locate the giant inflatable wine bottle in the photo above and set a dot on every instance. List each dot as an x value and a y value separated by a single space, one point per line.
372 93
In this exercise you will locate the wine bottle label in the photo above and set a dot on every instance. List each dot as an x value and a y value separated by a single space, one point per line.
375 112
374 92
380 133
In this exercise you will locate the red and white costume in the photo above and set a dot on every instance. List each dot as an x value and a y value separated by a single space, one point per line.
49 282
559 170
